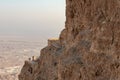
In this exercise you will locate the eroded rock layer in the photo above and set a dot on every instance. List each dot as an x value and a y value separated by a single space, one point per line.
88 47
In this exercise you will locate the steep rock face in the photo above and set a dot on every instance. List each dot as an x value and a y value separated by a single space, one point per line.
88 47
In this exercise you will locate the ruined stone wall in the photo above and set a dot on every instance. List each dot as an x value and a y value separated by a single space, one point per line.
87 49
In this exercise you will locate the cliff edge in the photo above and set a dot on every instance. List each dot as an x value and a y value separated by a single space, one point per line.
87 49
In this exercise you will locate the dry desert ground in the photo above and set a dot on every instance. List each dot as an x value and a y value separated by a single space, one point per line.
13 53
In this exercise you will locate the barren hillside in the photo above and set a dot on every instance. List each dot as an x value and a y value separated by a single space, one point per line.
87 49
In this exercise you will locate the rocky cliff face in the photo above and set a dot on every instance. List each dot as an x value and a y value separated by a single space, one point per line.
87 49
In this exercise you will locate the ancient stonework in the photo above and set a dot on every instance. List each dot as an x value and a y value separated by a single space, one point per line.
87 49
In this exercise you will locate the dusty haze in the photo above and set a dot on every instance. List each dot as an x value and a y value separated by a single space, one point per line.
25 26
31 18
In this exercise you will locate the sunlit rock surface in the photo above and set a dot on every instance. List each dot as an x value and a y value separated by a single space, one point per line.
88 47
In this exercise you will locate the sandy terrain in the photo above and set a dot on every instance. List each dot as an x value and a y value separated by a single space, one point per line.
13 53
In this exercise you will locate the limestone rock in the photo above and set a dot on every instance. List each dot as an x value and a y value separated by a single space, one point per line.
88 47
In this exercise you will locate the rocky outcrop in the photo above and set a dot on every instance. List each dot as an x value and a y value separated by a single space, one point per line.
88 47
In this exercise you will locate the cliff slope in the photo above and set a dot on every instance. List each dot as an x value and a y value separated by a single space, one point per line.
87 49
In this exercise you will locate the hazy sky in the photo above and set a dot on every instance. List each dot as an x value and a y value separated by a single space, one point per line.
32 17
